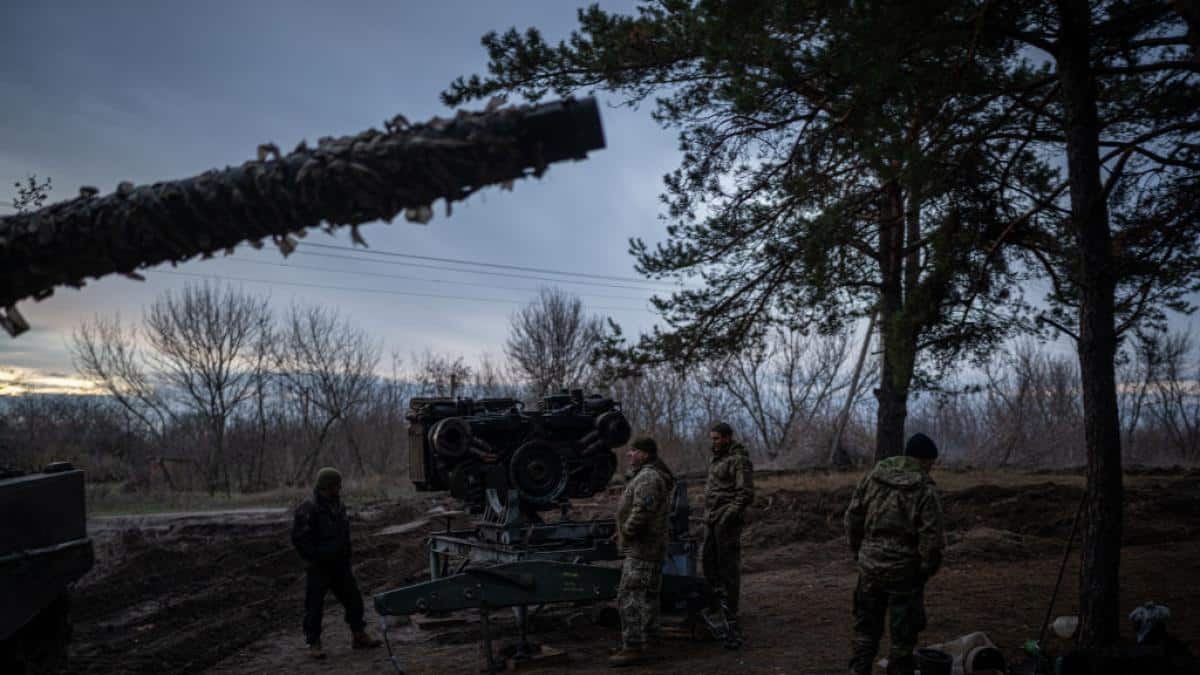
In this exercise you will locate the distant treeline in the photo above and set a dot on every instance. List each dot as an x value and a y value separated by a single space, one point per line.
215 392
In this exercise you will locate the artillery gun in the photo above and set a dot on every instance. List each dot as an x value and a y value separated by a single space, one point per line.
508 466
349 181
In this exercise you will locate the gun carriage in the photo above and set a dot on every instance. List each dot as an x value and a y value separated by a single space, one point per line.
509 466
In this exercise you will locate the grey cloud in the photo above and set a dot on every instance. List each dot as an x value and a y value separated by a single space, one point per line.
97 93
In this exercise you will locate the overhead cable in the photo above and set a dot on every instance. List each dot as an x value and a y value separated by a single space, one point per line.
524 289
519 268
481 272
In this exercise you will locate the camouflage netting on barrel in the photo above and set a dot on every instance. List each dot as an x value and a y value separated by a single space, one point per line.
375 175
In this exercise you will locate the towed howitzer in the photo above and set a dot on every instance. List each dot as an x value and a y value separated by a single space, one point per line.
481 451
507 464
348 181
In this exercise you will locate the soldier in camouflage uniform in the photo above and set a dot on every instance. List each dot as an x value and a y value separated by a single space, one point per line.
321 535
728 492
642 533
894 524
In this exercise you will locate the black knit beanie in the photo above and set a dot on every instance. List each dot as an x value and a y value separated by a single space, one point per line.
921 446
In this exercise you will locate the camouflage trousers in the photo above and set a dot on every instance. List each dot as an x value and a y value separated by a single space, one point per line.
638 601
902 610
721 557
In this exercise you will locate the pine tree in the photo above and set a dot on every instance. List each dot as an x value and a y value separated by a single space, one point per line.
837 160
1124 112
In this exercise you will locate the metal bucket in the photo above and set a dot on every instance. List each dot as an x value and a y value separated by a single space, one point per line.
934 662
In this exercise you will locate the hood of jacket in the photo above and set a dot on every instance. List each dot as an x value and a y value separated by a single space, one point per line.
662 468
734 448
655 464
903 473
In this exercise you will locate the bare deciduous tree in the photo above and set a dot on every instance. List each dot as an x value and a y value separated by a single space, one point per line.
209 343
661 402
491 380
439 374
1137 370
106 352
783 383
551 342
1175 399
384 416
328 366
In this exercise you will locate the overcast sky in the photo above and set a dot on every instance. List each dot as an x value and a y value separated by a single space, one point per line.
98 93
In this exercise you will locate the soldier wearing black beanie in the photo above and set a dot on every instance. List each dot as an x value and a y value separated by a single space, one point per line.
896 531
921 446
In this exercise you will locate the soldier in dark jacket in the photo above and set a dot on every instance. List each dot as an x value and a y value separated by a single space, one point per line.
321 534
894 524
642 533
728 492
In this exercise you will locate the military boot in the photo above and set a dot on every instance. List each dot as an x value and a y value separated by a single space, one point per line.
315 651
629 656
362 640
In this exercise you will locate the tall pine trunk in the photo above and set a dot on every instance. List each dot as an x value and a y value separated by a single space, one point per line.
1099 580
897 343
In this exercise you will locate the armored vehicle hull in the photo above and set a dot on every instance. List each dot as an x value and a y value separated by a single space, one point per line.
44 548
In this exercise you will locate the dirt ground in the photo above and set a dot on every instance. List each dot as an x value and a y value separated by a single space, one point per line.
223 592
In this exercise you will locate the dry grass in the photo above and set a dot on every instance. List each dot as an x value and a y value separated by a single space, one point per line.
110 499
947 479
116 499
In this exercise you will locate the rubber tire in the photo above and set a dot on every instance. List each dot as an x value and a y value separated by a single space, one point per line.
451 437
614 428
560 481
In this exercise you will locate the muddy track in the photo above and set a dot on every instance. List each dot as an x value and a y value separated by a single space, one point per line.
184 601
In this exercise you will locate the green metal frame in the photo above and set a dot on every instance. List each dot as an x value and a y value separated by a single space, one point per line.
529 582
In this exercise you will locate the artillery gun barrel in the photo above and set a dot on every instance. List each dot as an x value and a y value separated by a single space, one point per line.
342 181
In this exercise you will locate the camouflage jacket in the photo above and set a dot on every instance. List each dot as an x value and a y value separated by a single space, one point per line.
730 485
643 511
321 531
894 523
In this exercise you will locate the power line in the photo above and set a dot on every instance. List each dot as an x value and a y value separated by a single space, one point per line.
480 272
383 291
519 268
422 279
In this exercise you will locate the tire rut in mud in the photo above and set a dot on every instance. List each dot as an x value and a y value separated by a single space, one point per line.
183 605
